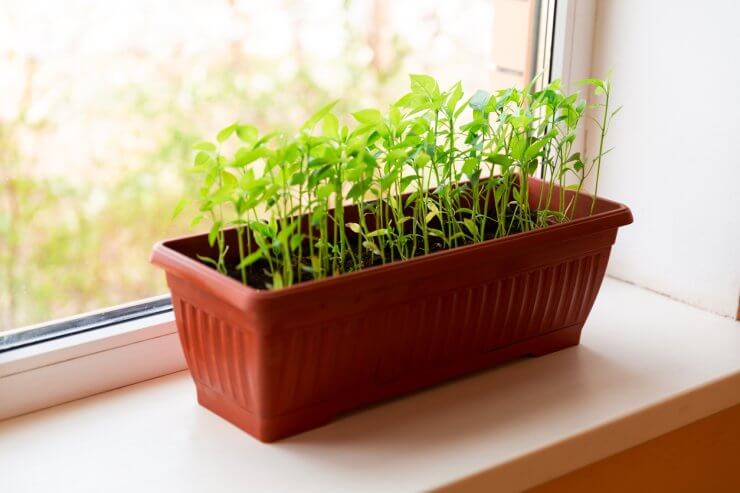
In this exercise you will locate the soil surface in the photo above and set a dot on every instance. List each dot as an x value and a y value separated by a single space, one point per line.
258 273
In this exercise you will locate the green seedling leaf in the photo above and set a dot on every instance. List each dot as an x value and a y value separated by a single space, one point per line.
263 229
368 116
285 233
319 115
534 149
479 100
229 180
455 95
354 227
225 133
518 146
324 191
389 179
358 190
296 241
471 226
499 159
201 158
462 107
290 153
396 156
178 208
412 101
196 220
517 195
598 83
213 233
330 126
297 178
207 260
405 182
412 198
422 160
470 166
247 133
394 115
377 232
424 85
250 259
261 240
436 232
246 156
372 247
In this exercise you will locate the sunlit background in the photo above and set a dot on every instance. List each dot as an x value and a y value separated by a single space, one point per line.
100 102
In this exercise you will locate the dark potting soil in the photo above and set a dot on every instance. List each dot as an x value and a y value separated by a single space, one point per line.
258 273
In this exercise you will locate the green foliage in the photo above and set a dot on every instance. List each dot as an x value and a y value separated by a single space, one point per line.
77 240
434 171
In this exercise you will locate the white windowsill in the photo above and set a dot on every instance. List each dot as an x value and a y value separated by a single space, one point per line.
646 365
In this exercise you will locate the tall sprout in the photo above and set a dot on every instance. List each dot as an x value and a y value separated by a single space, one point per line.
435 171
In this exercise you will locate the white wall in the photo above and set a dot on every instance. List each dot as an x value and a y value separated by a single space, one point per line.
676 70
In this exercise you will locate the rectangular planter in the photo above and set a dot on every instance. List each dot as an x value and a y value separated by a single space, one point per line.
276 363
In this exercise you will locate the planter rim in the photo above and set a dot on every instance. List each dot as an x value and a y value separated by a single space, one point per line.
168 258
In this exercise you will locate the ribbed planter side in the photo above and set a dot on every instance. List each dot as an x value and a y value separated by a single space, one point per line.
311 365
220 356
281 362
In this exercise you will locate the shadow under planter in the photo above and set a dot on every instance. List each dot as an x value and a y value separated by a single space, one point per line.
276 363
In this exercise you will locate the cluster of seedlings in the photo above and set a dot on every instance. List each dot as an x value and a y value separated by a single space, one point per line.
436 171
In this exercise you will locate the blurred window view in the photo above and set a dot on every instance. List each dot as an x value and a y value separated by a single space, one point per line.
100 102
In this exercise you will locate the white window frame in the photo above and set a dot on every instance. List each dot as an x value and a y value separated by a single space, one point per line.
60 370
573 41
72 367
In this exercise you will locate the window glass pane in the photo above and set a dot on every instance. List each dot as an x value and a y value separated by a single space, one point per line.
101 101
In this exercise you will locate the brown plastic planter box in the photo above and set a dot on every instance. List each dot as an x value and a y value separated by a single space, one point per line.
276 363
